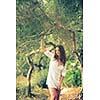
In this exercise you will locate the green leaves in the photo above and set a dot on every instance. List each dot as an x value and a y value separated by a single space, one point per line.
35 16
73 75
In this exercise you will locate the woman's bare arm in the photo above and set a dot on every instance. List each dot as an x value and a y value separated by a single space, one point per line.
60 82
42 48
45 50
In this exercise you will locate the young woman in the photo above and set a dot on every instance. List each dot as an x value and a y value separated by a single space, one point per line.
57 69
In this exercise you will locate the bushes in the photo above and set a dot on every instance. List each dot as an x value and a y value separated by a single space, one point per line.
73 75
39 78
20 92
38 81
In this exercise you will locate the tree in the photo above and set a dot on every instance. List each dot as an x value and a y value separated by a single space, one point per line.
57 18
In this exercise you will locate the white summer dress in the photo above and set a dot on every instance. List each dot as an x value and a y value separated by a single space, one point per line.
55 71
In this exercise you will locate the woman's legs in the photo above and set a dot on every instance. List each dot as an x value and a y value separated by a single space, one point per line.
53 93
57 94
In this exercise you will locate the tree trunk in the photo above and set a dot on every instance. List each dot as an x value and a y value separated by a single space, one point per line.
31 68
79 57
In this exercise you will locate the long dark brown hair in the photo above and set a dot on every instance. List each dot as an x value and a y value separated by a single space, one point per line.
62 54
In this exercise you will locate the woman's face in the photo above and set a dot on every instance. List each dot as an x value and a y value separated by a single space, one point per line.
57 51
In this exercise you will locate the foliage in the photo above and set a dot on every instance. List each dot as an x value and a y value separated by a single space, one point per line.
20 92
39 78
73 76
36 16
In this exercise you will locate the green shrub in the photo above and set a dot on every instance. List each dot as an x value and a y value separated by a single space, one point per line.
20 92
39 78
73 75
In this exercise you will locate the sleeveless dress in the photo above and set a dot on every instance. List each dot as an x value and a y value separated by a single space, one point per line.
55 71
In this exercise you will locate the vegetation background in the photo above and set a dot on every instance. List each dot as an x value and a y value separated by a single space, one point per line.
58 19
